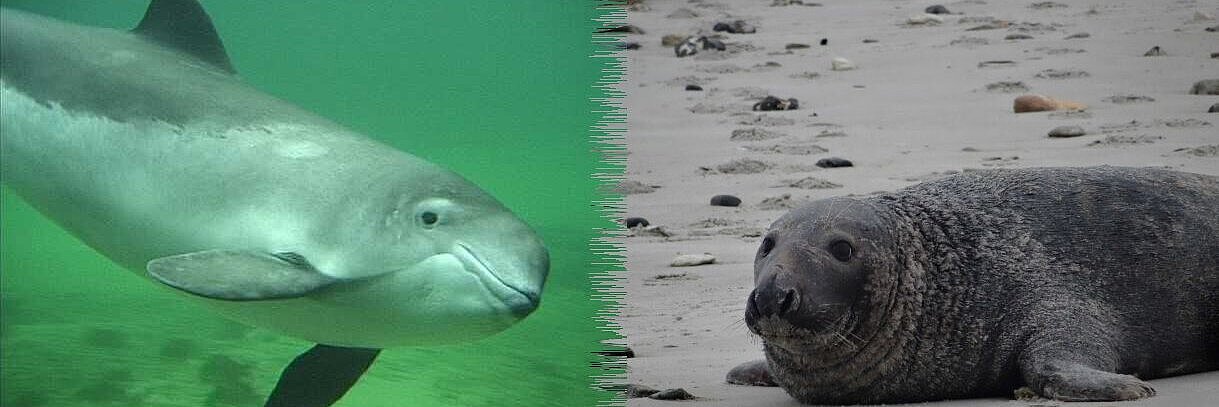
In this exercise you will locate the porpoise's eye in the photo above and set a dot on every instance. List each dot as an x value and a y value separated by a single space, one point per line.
842 250
429 219
768 244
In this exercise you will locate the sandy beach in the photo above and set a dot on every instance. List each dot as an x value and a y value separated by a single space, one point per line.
925 100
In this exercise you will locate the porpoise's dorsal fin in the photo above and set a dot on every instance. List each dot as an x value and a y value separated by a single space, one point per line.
184 26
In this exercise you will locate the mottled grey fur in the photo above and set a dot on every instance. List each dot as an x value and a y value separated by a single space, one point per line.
1071 281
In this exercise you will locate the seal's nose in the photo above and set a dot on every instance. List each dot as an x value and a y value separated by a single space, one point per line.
773 297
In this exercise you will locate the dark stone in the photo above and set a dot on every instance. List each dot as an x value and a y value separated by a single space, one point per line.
753 373
1154 52
773 103
796 46
1067 131
1077 36
725 200
673 394
1205 87
826 41
1018 37
630 29
834 162
936 9
1214 108
721 27
694 87
636 221
869 41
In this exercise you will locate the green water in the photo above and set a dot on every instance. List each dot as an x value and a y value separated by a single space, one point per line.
497 91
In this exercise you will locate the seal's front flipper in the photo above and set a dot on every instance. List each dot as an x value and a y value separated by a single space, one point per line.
755 373
320 376
239 275
1075 382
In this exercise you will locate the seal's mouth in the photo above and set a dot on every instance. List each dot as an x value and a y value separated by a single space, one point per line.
521 302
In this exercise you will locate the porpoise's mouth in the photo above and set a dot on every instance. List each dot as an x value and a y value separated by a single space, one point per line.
521 302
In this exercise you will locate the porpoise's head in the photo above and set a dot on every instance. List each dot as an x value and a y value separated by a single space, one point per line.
412 256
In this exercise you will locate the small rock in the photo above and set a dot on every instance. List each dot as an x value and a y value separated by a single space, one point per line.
1214 55
673 394
634 391
1214 108
841 64
725 200
1018 37
834 162
773 103
1039 103
672 40
694 87
1077 36
936 9
796 45
825 41
687 47
869 41
690 260
1046 4
1205 87
1067 131
735 27
1154 52
996 63
1212 29
924 19
633 222
751 374
656 230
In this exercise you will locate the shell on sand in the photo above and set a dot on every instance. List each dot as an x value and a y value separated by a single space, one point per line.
1041 103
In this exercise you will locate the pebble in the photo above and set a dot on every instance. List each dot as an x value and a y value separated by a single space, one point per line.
795 45
636 221
694 87
773 103
1154 52
825 41
869 41
1214 108
735 27
690 260
1018 37
1077 36
841 64
936 9
725 200
1067 131
1205 87
834 162
673 394
634 391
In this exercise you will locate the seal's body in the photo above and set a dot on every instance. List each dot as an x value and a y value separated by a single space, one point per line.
1071 281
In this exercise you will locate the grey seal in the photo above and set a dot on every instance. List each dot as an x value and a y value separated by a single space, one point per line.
1078 283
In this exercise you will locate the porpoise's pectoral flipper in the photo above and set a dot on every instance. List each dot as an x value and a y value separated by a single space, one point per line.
320 376
240 275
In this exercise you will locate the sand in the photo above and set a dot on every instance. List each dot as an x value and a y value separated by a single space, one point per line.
917 107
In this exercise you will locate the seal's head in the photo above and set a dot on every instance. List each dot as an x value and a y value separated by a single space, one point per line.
812 273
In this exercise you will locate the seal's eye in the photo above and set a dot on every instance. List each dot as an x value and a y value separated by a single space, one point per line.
842 250
429 219
767 245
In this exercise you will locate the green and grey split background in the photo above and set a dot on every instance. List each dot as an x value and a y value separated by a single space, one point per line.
499 93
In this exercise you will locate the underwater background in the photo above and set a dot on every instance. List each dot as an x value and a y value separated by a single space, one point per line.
500 92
